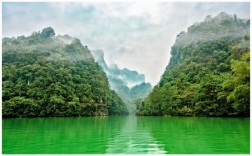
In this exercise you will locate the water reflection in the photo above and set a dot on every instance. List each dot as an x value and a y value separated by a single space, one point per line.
181 135
134 138
59 135
126 134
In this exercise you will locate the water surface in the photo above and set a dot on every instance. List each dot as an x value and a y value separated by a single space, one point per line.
126 134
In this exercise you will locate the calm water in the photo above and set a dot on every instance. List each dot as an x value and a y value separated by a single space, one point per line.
127 134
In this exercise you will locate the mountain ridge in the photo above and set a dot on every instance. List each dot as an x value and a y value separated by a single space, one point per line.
208 73
129 84
48 75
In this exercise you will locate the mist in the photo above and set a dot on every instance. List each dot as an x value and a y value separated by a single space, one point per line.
134 35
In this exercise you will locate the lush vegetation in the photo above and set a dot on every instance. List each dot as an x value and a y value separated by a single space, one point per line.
130 85
208 73
44 75
129 95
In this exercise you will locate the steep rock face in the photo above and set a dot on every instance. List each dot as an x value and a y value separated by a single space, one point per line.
48 75
130 78
208 73
130 85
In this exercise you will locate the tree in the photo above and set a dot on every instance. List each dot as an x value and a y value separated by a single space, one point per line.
47 32
20 107
239 96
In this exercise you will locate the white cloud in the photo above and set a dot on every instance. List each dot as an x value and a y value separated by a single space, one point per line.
135 35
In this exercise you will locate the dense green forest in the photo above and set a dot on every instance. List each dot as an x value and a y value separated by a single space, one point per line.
48 75
208 73
129 85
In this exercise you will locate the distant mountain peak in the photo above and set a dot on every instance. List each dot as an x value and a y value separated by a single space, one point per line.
129 77
129 84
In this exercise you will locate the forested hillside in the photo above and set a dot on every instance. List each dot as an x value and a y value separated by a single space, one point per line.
130 85
48 75
208 73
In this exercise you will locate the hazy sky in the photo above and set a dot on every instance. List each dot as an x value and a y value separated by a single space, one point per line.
135 35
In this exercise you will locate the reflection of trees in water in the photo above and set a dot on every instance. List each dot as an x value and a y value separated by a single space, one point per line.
60 135
134 138
126 134
199 135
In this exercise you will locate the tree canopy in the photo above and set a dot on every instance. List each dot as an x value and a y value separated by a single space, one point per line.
44 76
208 73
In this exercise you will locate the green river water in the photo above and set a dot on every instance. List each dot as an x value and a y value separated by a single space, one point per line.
126 134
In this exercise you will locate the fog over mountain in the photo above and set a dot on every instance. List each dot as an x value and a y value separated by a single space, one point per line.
135 35
208 73
130 85
47 75
128 77
213 28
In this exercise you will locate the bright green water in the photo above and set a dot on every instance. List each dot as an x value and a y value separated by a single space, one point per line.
127 134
